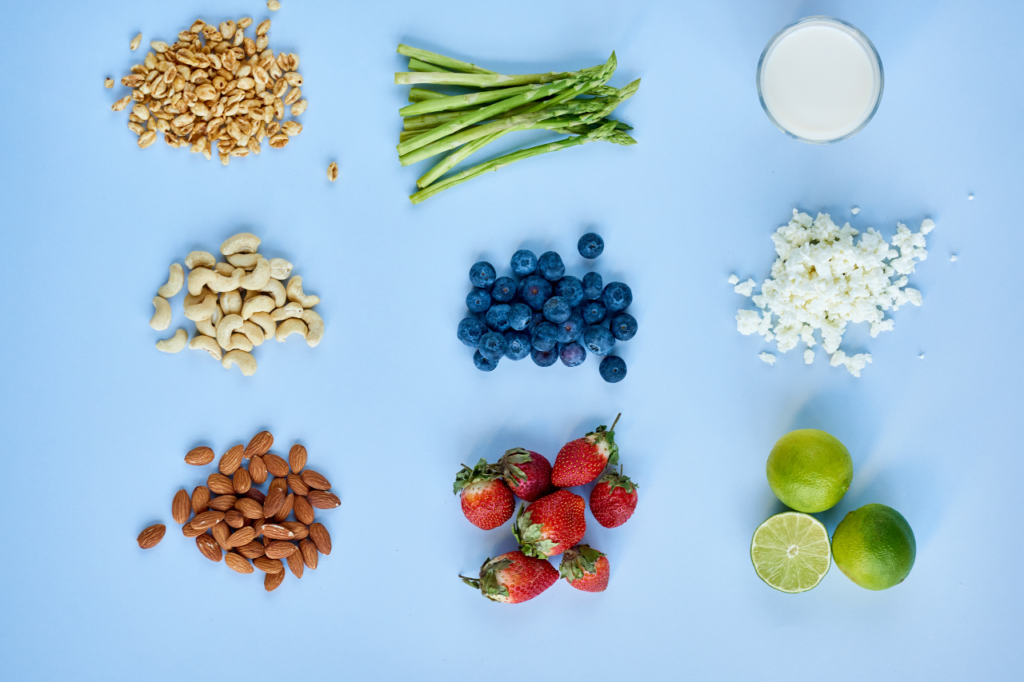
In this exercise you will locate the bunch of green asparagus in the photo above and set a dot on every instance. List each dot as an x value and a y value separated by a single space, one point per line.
576 103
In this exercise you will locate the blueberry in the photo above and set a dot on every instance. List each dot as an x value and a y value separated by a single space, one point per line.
482 274
590 245
470 331
544 358
493 346
482 363
617 296
524 262
572 354
571 289
624 326
613 369
545 337
535 291
570 330
503 290
599 340
550 266
518 345
497 317
593 285
557 310
478 301
537 318
519 316
594 312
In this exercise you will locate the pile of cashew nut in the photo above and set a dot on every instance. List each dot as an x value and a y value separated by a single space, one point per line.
237 304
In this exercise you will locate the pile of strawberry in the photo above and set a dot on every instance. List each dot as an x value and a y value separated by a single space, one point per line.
553 522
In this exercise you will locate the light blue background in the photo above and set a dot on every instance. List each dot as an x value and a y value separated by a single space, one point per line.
95 421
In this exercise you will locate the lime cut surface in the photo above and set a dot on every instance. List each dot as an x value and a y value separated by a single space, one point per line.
791 552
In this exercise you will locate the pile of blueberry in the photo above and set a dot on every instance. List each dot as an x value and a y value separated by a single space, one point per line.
547 314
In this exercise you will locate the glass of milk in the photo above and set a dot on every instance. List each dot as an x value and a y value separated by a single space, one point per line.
820 80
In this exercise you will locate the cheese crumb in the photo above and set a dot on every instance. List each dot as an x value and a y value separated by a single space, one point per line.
927 225
970 197
855 210
733 279
809 356
745 288
921 356
767 357
953 258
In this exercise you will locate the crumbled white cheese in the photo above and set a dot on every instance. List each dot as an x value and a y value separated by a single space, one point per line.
970 197
809 356
767 357
824 280
952 259
733 279
855 210
921 356
745 288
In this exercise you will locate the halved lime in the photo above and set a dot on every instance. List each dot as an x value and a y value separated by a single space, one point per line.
791 552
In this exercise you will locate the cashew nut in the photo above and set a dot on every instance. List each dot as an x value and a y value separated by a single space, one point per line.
200 306
258 278
200 259
161 319
243 242
258 304
266 323
239 342
217 283
316 327
174 281
280 268
231 302
295 294
217 316
245 361
289 327
173 344
229 324
253 332
206 343
206 327
276 289
246 261
224 269
288 311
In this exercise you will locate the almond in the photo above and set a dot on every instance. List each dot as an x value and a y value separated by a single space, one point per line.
190 532
221 533
275 465
267 565
280 549
231 460
275 500
200 499
309 556
256 494
276 532
181 507
200 456
320 537
241 481
257 525
234 518
220 484
238 563
241 537
208 546
259 444
300 531
223 502
272 581
151 537
297 458
279 484
257 470
253 550
294 561
296 484
207 519
315 480
304 510
323 500
286 508
250 509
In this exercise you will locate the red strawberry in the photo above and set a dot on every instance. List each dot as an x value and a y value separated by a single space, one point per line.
513 578
486 500
583 460
550 525
613 499
585 568
527 473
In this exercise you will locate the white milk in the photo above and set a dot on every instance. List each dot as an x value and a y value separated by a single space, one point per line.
820 79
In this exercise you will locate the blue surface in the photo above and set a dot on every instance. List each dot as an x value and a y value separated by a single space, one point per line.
96 421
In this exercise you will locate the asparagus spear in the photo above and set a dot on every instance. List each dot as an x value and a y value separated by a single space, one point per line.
440 60
417 65
496 164
481 80
422 94
460 101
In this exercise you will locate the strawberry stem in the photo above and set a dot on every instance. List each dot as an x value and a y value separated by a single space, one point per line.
616 421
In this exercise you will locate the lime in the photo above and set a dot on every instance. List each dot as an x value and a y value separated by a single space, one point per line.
875 547
790 552
809 470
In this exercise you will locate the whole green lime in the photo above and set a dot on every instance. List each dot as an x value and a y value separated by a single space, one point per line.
809 470
874 547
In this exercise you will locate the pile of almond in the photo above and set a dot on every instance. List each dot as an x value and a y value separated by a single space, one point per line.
231 519
215 87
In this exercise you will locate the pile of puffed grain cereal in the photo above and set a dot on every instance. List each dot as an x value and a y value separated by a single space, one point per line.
229 92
